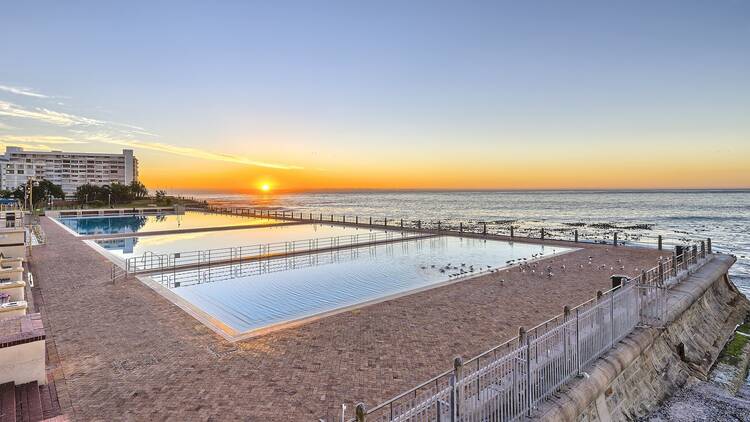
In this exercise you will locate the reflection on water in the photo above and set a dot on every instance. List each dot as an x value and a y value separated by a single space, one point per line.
257 294
184 242
118 224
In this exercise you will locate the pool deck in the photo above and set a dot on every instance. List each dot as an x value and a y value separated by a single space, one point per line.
123 352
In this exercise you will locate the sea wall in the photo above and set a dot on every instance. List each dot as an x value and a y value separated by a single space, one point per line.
654 362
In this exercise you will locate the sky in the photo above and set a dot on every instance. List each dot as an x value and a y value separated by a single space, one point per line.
314 95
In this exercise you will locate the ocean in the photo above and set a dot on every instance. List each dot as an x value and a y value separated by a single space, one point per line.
724 216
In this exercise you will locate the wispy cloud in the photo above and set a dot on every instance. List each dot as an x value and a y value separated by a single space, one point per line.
5 127
85 130
190 152
46 116
22 91
40 139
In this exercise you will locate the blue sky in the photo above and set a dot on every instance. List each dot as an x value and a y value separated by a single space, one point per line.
321 90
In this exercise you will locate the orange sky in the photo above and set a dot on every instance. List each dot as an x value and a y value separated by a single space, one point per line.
636 167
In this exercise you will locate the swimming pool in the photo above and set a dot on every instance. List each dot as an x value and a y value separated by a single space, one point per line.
118 224
124 248
254 297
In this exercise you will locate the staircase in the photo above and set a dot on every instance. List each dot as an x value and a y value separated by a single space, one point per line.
27 402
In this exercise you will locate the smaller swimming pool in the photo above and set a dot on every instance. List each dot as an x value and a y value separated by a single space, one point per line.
128 247
118 224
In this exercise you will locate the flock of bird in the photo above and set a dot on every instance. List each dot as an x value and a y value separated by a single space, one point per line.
528 266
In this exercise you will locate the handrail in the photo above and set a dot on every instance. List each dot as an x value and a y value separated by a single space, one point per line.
639 290
183 259
612 235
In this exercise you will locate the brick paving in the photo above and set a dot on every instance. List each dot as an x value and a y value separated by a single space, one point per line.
126 353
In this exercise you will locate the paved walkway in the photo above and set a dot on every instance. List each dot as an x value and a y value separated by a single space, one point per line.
127 353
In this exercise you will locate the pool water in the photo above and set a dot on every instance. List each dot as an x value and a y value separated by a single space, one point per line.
118 224
257 295
124 248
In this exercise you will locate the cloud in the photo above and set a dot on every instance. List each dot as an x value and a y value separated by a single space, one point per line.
46 116
41 139
5 127
190 152
22 91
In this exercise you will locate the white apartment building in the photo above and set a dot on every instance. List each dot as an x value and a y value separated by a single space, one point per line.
67 169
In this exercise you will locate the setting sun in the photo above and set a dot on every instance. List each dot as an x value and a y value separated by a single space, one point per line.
265 187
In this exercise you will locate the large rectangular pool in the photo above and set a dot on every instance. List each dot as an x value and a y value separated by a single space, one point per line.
118 224
124 248
255 297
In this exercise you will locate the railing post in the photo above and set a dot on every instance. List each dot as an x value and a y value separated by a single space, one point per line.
661 272
385 222
371 221
360 412
452 404
343 218
461 227
566 316
674 263
703 249
695 254
708 246
321 217
438 226
578 343
614 240
512 233
660 242
356 219
458 366
484 228
575 235
402 223
612 315
419 225
542 233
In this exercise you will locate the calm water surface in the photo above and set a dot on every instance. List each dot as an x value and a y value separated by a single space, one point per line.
722 215
160 222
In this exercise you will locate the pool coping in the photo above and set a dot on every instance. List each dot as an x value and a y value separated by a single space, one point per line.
172 231
232 335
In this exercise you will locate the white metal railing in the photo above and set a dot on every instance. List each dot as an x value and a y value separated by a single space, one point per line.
151 262
595 233
510 380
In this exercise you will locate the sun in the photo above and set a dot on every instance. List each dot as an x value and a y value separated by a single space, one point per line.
265 187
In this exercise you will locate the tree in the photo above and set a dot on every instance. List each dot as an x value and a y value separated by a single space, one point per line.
120 193
138 190
88 192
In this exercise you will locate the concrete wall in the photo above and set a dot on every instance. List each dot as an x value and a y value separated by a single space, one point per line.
23 363
652 363
13 309
16 289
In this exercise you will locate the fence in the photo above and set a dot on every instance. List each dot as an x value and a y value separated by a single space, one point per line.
600 233
151 262
510 380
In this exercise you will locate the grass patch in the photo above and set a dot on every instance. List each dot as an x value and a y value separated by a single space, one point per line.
733 350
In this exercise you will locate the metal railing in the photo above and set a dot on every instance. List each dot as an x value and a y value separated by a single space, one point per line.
117 273
602 234
151 262
510 380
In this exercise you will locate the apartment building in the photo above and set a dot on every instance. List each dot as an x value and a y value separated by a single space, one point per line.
67 169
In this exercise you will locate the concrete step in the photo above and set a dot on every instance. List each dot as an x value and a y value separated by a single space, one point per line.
8 402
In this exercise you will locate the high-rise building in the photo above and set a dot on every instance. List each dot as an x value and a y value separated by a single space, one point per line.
67 169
